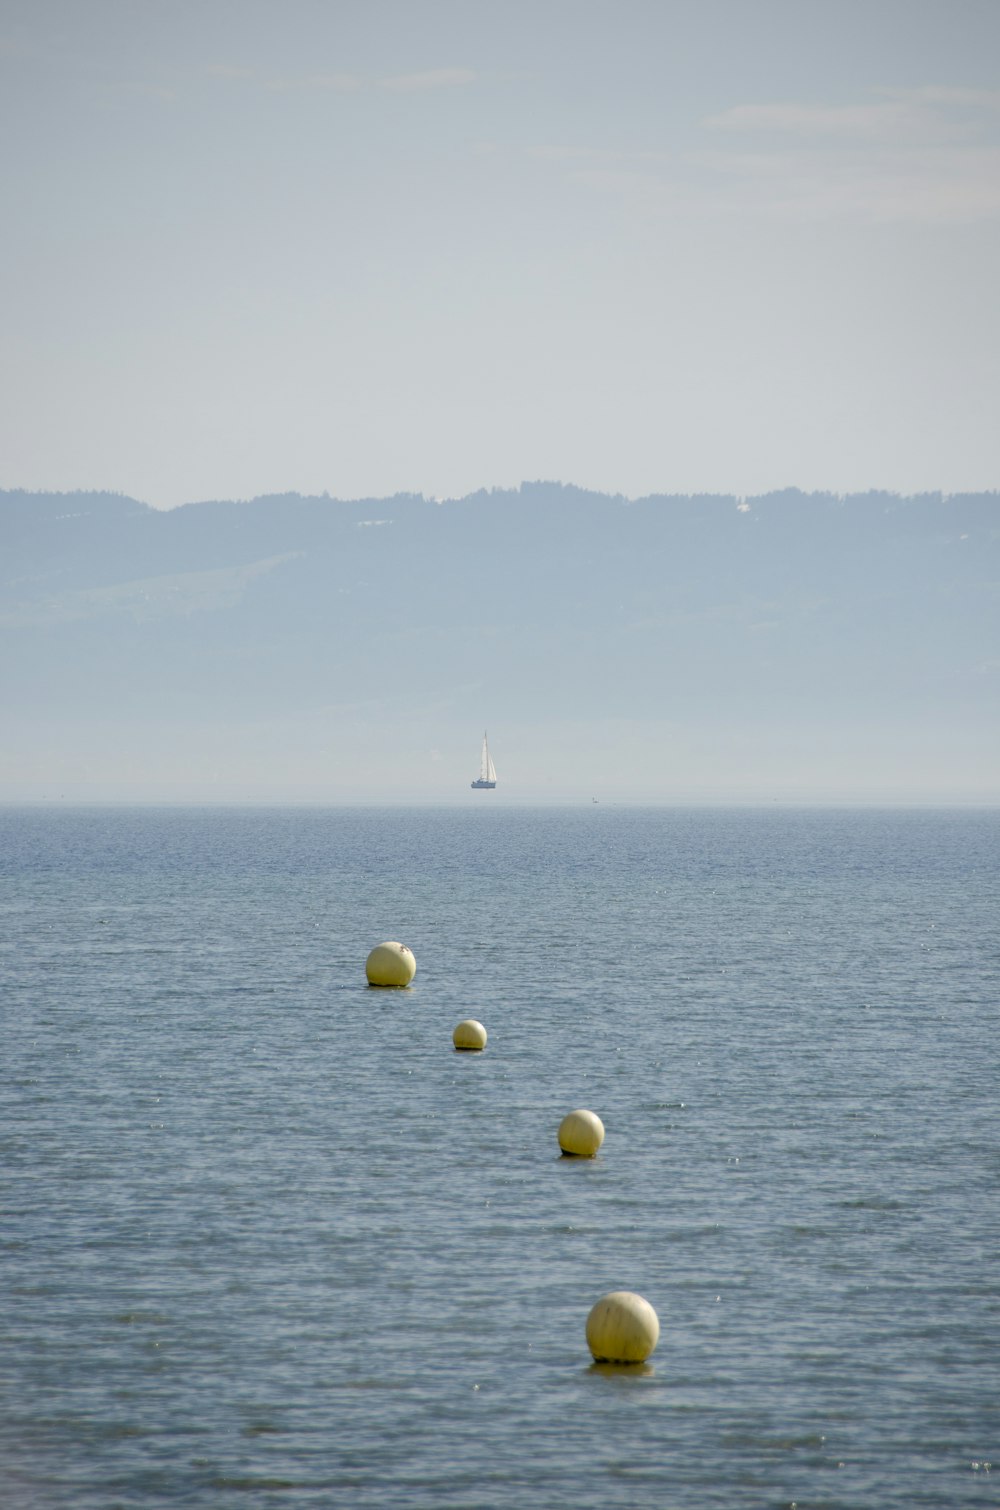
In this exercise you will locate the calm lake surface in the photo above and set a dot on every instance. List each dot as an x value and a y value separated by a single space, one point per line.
268 1241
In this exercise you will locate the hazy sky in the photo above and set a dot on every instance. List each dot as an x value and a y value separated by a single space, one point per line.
344 245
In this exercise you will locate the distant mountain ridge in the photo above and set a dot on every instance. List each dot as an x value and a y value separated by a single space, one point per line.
542 603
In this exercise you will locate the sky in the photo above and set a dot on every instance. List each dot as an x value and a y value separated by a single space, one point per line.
434 246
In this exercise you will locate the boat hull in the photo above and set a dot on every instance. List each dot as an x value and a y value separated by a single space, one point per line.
483 786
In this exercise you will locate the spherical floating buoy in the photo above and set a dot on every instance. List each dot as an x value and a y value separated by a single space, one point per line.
390 964
581 1133
622 1328
469 1034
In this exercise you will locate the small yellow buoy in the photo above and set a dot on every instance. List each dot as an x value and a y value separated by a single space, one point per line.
469 1034
622 1328
581 1133
390 964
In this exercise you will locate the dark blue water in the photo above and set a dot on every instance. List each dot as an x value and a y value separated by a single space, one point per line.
268 1241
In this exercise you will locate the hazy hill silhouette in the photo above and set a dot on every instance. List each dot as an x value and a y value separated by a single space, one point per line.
550 601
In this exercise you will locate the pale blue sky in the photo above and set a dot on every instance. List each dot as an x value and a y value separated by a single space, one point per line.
369 247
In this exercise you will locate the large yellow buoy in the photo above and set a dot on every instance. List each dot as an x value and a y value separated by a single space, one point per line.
469 1034
390 964
581 1133
622 1328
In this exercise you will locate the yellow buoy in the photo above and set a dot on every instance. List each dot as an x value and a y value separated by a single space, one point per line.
469 1034
622 1328
581 1133
390 964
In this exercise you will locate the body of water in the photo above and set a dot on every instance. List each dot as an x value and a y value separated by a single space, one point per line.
268 1241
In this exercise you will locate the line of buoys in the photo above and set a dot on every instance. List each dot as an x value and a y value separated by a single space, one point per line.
622 1328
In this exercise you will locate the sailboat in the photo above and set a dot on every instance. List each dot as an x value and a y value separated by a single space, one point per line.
487 778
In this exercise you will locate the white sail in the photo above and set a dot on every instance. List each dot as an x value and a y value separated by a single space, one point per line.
487 770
